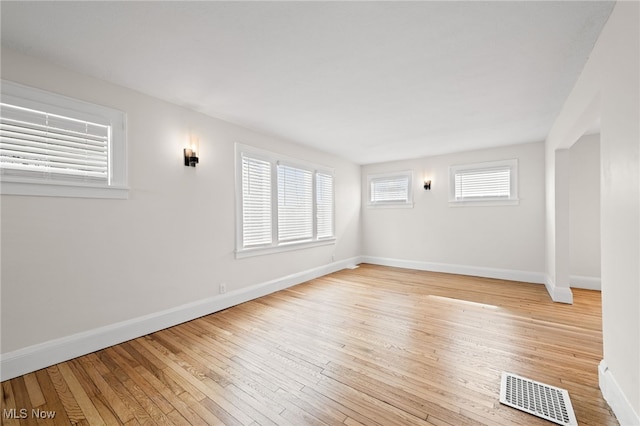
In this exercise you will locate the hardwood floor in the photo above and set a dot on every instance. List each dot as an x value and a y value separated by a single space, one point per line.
372 346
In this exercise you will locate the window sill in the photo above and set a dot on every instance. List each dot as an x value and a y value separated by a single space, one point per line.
487 203
390 206
14 186
283 247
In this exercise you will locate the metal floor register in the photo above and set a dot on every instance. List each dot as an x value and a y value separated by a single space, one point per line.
539 399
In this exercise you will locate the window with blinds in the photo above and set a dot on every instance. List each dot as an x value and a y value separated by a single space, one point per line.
282 203
256 202
59 146
41 144
324 203
390 189
295 204
491 181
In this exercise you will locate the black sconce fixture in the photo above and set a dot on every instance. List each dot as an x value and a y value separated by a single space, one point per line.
190 158
191 153
427 185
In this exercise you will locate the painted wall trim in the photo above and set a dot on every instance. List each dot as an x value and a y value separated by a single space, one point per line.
558 294
32 358
614 396
587 283
477 271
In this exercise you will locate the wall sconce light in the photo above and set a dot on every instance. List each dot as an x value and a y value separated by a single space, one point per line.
427 185
191 153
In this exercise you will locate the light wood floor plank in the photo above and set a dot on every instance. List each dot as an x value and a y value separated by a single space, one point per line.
371 346
99 401
22 401
68 400
9 403
33 389
89 410
53 402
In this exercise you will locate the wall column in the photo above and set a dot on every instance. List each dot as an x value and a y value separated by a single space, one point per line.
561 291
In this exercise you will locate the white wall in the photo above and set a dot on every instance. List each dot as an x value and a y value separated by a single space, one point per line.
609 88
500 241
584 211
72 265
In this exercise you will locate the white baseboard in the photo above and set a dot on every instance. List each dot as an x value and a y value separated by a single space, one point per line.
558 294
587 283
477 271
616 399
32 358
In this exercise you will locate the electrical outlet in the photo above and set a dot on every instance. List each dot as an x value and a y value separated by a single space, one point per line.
223 288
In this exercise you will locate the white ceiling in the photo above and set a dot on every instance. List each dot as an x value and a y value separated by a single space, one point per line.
368 81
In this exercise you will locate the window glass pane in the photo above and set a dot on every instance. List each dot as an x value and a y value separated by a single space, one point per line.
390 189
324 205
39 144
483 183
256 202
295 203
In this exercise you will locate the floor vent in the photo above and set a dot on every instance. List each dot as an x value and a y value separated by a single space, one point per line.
547 402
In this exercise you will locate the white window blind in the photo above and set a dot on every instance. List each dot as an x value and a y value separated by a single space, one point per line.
390 188
324 203
256 202
56 146
39 144
282 203
479 183
295 203
483 183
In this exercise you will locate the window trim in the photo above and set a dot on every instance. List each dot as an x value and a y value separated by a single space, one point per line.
278 246
513 199
371 177
33 98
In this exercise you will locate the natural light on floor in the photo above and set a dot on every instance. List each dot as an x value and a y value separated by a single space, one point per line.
465 302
